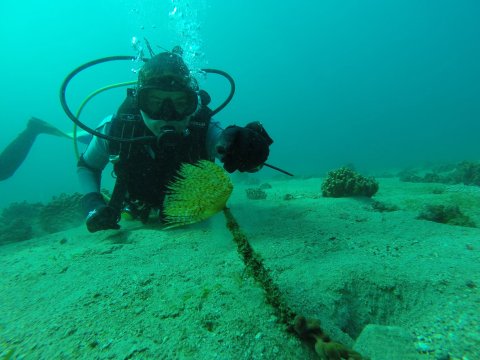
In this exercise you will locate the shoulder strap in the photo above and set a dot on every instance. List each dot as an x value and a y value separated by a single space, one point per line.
126 123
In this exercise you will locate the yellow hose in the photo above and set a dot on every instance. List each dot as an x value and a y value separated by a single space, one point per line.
85 102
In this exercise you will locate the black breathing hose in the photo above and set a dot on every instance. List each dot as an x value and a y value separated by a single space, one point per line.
81 125
144 139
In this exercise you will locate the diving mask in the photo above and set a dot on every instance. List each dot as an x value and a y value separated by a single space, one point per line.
161 127
167 105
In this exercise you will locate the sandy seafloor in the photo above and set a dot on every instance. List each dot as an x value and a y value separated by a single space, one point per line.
147 293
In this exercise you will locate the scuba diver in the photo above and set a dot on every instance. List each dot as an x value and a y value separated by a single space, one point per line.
16 152
168 107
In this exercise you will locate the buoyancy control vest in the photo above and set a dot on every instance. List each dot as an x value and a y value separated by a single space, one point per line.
143 171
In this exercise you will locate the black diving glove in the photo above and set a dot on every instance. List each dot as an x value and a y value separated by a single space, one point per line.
100 215
243 148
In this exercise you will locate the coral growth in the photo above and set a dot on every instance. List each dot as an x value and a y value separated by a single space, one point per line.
345 182
61 213
256 194
383 207
22 221
446 214
18 222
466 172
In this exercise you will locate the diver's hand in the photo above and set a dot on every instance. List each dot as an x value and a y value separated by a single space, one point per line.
243 148
103 218
100 216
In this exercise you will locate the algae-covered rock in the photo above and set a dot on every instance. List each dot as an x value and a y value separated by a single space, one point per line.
18 222
446 214
465 172
383 207
345 182
61 213
23 221
256 194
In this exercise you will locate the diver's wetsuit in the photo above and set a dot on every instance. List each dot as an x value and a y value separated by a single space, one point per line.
98 152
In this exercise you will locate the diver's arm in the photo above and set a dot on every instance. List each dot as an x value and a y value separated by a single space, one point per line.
89 177
82 136
100 216
92 162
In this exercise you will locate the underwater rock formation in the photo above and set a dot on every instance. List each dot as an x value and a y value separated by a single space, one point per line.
61 213
256 194
23 221
383 207
345 182
465 172
446 214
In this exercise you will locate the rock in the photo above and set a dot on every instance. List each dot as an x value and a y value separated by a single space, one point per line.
345 182
256 194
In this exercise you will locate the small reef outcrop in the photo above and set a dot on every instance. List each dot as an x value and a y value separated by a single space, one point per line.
345 182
